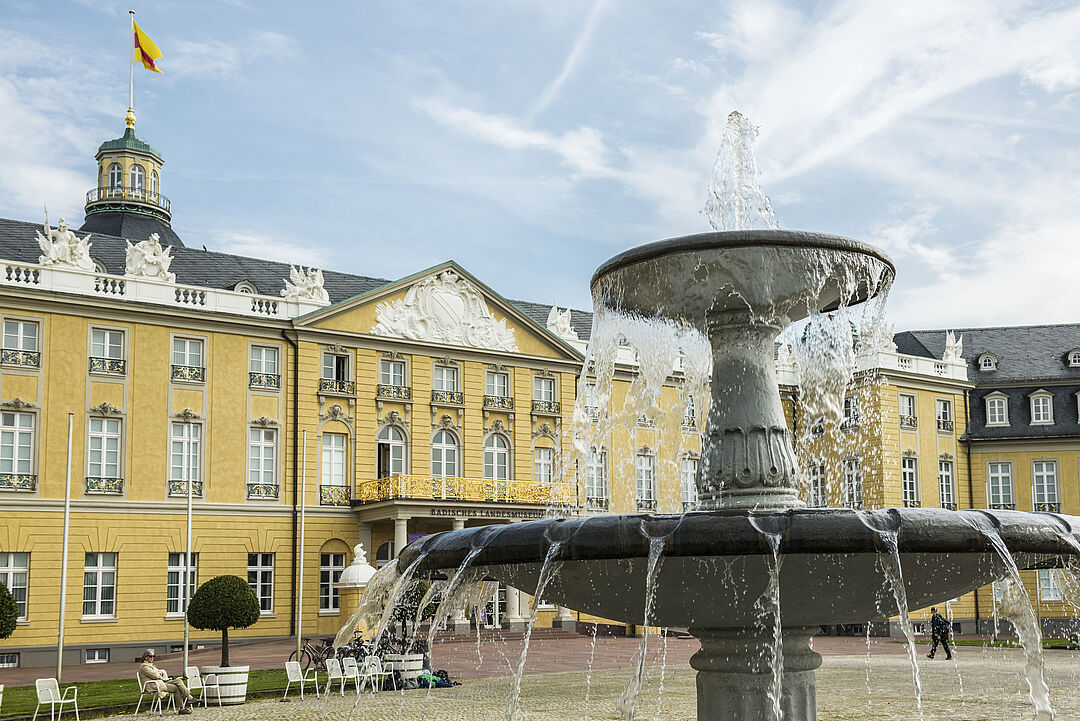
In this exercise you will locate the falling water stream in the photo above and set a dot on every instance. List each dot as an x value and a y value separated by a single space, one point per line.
628 698
768 609
547 571
894 577
588 674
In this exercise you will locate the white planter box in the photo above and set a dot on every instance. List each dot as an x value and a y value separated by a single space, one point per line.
232 683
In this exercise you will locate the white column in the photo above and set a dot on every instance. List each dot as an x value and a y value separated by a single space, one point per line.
457 524
401 534
565 620
513 619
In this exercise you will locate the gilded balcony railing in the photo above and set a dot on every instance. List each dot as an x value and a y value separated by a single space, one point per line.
437 488
597 503
689 506
944 425
262 490
29 358
264 380
949 506
125 192
689 423
593 412
180 488
505 403
645 504
18 482
104 485
456 398
335 495
909 421
115 366
1051 507
551 408
332 385
399 393
1002 506
912 503
189 373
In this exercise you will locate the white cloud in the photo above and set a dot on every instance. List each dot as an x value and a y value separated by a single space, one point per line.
572 59
217 58
272 248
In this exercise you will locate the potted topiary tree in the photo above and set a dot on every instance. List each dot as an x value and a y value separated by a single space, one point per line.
222 603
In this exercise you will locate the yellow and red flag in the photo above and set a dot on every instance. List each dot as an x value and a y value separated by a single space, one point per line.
145 49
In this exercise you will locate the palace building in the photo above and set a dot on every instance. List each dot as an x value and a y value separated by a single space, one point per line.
384 410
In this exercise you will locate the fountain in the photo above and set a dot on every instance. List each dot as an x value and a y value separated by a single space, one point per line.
798 568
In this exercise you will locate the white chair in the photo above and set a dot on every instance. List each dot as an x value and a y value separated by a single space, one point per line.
333 673
48 691
350 670
195 682
150 689
372 672
294 673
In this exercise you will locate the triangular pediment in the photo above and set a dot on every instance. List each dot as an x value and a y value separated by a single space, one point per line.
444 305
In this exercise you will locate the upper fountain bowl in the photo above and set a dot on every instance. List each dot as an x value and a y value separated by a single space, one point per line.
774 277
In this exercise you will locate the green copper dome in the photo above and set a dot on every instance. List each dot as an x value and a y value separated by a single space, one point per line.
129 142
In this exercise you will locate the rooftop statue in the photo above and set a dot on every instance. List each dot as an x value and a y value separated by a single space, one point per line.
62 247
558 322
147 259
305 284
954 347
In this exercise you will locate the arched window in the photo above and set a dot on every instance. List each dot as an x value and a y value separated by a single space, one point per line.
153 182
116 176
137 178
385 554
987 362
496 458
444 455
391 452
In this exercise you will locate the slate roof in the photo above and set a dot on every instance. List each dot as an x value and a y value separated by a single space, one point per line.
1066 422
580 320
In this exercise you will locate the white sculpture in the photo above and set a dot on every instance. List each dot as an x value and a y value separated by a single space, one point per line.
954 347
62 247
359 572
444 308
558 322
147 259
305 284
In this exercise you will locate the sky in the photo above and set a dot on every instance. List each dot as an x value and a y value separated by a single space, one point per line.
531 141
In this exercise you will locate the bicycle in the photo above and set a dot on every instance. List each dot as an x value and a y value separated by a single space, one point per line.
311 654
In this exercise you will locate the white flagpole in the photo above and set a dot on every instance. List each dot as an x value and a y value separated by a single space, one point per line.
64 554
300 580
186 595
131 66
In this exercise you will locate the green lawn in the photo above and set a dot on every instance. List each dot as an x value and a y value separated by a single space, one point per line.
21 700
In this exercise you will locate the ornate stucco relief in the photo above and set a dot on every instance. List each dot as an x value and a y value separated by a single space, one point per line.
444 308
147 259
305 284
558 322
62 247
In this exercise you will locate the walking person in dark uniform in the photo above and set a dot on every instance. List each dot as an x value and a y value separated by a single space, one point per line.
939 633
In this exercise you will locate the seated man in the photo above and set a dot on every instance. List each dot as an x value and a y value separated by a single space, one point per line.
151 677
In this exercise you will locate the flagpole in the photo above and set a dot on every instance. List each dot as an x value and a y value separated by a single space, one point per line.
131 66
300 577
64 554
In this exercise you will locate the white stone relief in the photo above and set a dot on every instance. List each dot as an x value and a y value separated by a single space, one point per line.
147 259
62 247
558 322
954 347
444 308
305 284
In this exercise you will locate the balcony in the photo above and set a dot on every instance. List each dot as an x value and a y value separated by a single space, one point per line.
193 374
25 358
334 386
948 506
849 423
912 503
1002 506
335 495
597 503
689 423
593 412
1048 507
271 381
452 398
180 488
437 488
111 366
943 425
909 421
644 504
263 490
117 197
104 485
645 422
547 408
394 393
688 506
498 403
18 482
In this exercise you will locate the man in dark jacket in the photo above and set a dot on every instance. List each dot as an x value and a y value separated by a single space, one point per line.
939 633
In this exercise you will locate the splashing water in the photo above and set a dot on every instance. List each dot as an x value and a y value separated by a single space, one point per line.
628 698
588 675
736 201
894 577
768 607
373 603
547 572
458 594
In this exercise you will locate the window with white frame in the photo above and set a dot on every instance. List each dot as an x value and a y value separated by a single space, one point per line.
944 410
330 567
907 405
21 335
543 465
116 176
262 456
688 469
391 452
335 366
1049 587
97 655
1045 485
496 458
590 394
1074 358
187 352
154 182
909 480
137 177
817 491
264 359
851 412
15 574
106 343
543 389
645 480
947 484
185 464
391 372
103 453
496 384
99 585
997 411
16 443
596 486
1042 408
987 362
333 459
1000 485
691 411
853 490
445 379
261 579
175 604
444 455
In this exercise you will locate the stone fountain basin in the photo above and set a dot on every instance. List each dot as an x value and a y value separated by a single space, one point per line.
715 564
690 278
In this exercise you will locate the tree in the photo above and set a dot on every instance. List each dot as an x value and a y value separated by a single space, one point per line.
404 613
9 611
222 603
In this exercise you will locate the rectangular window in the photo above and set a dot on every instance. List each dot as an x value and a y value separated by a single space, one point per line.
496 384
544 389
174 583
946 485
645 481
1049 589
16 443
1044 481
851 412
446 379
107 344
104 448
261 579
818 496
15 574
688 469
909 481
596 488
330 567
262 456
335 367
333 459
1042 410
21 335
543 465
944 410
995 412
9 660
263 360
99 585
187 352
1001 485
186 457
391 373
853 496
907 405
97 655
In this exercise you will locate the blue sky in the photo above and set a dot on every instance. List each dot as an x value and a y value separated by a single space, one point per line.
530 141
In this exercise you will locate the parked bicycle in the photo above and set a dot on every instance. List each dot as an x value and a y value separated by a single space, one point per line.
314 656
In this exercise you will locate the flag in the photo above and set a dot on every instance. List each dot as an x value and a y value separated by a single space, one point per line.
147 51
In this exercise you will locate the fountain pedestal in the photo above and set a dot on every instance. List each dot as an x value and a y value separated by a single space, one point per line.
735 676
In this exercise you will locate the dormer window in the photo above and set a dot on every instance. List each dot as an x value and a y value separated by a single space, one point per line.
246 286
1042 408
988 362
997 409
1074 358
